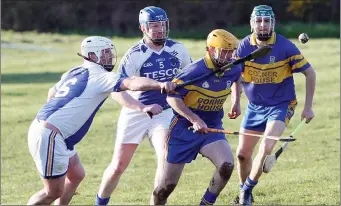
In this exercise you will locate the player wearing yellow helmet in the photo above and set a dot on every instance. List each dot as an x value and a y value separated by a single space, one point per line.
201 105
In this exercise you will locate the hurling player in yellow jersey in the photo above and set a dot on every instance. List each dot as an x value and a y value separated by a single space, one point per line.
269 86
201 105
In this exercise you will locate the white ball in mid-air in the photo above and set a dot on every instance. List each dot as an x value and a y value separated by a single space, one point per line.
303 38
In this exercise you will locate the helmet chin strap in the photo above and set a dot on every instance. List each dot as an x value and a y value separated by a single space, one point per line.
107 67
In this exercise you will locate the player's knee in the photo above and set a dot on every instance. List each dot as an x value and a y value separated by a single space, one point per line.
264 151
54 192
225 170
118 168
78 177
162 193
243 156
265 148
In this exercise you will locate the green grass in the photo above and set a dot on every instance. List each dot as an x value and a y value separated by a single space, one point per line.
306 174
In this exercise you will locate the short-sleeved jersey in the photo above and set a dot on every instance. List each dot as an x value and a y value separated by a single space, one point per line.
162 66
206 97
269 80
79 94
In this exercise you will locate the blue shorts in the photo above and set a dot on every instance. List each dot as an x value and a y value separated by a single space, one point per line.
183 145
257 116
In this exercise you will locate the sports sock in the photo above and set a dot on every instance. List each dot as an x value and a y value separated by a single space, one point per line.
102 201
209 198
249 184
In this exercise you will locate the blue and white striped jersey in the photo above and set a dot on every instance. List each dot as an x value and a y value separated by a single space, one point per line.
141 60
79 94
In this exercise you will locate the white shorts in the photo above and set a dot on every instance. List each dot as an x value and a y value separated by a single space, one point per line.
48 150
133 125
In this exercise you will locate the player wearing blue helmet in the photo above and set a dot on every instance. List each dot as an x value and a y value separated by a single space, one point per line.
269 86
154 24
159 58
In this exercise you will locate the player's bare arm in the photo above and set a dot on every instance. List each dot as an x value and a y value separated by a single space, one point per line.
52 91
127 100
179 106
235 99
310 76
144 84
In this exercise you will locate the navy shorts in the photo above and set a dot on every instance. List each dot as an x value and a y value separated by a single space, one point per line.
183 145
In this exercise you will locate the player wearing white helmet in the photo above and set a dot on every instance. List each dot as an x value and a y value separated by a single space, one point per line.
66 117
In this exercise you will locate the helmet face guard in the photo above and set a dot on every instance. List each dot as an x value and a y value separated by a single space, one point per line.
220 56
262 22
157 31
155 24
108 58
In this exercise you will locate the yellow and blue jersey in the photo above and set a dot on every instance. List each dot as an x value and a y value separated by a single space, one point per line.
269 80
206 97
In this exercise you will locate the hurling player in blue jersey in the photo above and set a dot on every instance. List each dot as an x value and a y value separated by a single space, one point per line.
269 86
157 57
201 105
66 117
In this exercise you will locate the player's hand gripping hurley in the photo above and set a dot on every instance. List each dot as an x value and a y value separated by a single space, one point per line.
260 52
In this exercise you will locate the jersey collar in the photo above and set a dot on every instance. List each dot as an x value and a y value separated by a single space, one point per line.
157 52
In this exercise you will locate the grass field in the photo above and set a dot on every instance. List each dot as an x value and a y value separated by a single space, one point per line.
308 173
